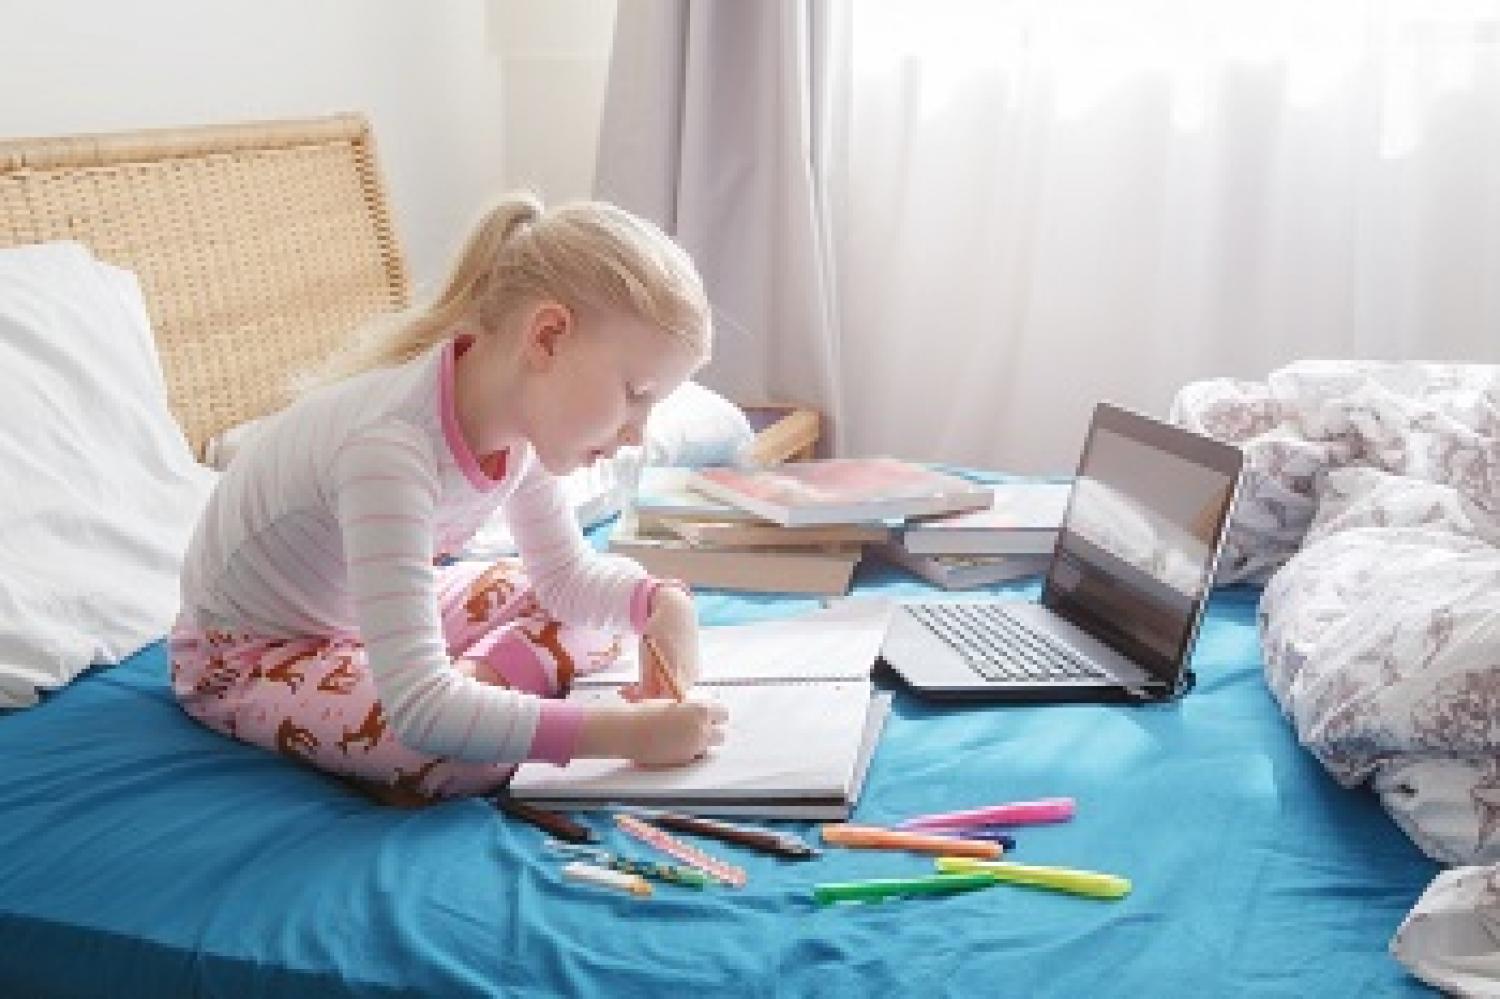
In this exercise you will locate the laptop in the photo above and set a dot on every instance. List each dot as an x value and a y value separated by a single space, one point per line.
1125 588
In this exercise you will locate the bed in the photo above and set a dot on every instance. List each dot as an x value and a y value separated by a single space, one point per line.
142 855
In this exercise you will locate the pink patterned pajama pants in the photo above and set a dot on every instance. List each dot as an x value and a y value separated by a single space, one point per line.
314 699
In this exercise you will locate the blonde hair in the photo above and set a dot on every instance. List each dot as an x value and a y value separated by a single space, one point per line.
585 254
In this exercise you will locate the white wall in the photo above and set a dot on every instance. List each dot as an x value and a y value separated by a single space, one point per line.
426 73
555 55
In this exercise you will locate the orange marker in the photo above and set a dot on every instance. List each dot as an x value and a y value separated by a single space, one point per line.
877 838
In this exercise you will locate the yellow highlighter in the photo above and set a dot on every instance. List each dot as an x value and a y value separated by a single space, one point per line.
1090 883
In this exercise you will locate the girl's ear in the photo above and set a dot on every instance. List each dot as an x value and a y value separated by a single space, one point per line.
548 330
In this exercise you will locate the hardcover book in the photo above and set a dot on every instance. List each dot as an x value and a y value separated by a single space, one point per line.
821 570
964 572
840 491
1022 518
707 534
662 495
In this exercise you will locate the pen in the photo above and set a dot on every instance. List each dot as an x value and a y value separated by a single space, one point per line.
560 826
1013 813
1091 883
876 838
764 840
869 891
668 873
668 678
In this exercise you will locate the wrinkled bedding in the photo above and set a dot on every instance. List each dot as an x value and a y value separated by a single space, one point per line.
1369 510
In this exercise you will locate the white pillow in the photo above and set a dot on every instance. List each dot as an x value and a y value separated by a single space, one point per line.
696 426
693 426
101 490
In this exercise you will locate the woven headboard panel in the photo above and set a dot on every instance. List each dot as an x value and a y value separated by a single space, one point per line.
259 246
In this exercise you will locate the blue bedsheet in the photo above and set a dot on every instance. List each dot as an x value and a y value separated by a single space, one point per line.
141 855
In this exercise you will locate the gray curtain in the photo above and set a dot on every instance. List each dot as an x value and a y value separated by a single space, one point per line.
716 126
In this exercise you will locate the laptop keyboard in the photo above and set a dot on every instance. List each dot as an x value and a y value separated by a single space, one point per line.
1002 648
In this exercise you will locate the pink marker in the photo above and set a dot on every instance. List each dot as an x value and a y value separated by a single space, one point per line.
1014 813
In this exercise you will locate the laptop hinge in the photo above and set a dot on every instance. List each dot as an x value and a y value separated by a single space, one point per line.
1186 683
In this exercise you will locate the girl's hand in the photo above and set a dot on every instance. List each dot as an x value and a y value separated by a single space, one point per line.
652 733
672 627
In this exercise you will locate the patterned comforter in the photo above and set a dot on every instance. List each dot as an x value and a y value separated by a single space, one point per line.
1371 512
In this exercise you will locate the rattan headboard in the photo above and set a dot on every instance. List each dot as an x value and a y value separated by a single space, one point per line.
259 246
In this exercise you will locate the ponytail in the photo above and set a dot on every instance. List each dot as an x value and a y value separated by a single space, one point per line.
392 340
582 254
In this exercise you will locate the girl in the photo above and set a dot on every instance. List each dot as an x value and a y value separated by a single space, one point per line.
319 619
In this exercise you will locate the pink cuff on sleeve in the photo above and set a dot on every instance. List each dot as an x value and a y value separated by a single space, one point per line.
640 599
557 732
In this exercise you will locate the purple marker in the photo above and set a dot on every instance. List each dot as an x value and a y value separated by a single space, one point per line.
1015 813
1006 841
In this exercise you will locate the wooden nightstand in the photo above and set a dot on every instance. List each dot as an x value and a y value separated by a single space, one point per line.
783 432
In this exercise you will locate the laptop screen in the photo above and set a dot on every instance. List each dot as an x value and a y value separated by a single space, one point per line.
1135 556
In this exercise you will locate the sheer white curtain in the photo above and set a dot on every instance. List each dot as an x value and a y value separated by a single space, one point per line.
1015 209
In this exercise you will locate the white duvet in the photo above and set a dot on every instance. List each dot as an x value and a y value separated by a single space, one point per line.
1370 512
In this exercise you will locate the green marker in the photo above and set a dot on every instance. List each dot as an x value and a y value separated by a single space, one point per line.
880 888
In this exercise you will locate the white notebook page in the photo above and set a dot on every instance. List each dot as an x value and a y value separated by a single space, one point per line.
839 642
781 741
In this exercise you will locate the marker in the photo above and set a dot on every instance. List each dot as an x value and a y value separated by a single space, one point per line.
1090 883
880 888
764 840
977 833
606 878
876 838
1015 813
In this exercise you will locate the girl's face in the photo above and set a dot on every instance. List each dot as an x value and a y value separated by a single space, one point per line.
592 379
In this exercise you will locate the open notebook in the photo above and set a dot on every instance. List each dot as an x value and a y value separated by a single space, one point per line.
804 719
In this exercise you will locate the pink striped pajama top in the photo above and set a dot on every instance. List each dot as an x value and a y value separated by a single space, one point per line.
327 522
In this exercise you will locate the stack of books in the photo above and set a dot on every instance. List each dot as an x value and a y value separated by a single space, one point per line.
1011 538
796 528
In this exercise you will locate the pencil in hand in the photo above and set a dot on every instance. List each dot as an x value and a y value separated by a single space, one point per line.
663 669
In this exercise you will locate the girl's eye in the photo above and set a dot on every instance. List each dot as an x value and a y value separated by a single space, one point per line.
635 394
